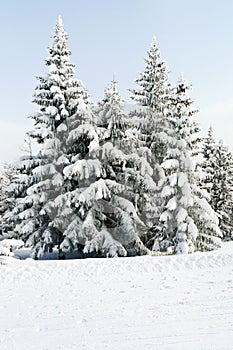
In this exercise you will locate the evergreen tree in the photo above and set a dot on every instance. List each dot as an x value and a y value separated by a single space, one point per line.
154 97
124 134
218 165
62 100
188 222
106 220
17 179
111 115
208 150
154 94
23 212
7 199
4 202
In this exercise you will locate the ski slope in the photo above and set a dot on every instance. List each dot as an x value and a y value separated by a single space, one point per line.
174 302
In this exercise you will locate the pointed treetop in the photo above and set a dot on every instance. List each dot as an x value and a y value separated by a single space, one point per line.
210 132
114 81
181 79
111 93
154 41
154 50
220 143
59 21
59 29
113 85
59 37
112 88
182 85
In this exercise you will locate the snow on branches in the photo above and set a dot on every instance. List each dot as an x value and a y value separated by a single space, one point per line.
115 179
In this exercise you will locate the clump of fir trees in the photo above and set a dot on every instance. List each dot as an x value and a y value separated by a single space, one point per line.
109 180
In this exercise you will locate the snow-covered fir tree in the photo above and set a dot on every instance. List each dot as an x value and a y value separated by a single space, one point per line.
208 150
188 223
154 98
218 166
106 220
23 211
18 178
154 94
111 115
124 133
4 203
60 98
7 199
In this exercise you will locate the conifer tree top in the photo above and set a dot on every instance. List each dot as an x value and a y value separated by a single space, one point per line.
112 91
60 21
211 135
154 87
59 44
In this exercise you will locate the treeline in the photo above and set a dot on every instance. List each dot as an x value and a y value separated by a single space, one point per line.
115 179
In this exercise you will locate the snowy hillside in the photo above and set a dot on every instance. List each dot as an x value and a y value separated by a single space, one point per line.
176 302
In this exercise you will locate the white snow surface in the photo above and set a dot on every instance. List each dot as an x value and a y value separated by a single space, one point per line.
171 302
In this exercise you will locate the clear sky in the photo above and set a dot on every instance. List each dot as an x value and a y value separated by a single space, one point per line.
111 37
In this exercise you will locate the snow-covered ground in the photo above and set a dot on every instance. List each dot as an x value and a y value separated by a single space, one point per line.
175 302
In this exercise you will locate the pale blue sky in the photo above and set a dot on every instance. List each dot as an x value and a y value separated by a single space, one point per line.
106 37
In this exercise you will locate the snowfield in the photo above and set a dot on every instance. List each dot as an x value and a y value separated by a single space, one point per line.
174 302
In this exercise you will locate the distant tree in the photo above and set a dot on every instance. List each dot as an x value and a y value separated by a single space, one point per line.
208 150
24 214
3 202
218 165
7 200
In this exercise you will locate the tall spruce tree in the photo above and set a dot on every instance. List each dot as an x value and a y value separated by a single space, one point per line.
188 221
61 101
106 218
154 98
222 189
154 94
